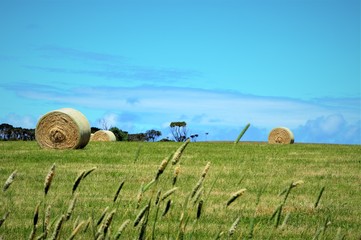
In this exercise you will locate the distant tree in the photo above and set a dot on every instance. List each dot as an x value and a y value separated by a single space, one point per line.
137 137
179 131
94 129
104 124
119 134
152 135
194 137
8 132
166 140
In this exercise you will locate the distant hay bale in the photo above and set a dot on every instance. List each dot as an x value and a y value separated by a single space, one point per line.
64 128
281 135
103 136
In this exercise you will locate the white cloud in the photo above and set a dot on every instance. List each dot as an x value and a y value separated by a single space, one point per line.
329 129
220 113
17 120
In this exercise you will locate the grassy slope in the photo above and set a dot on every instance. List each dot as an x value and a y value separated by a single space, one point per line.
254 166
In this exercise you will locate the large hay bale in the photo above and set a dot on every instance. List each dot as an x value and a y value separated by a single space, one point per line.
103 136
281 135
64 128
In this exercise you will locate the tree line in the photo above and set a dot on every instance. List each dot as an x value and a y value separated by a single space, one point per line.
178 130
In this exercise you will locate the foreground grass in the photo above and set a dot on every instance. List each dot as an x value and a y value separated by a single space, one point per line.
263 170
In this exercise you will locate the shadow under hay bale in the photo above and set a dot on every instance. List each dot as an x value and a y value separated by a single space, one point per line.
281 135
64 128
103 136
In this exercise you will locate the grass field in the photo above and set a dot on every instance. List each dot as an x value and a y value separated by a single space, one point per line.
261 212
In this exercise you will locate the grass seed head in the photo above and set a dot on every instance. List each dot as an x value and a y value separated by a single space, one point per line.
235 196
71 208
205 170
9 181
168 193
49 178
121 229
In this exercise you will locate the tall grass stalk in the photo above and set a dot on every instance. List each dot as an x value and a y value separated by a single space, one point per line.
48 179
4 217
118 190
319 197
121 229
235 196
10 180
178 153
76 230
242 133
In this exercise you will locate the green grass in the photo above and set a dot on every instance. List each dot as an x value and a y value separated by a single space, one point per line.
264 170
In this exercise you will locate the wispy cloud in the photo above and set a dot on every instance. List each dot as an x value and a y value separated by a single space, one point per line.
330 129
106 66
56 52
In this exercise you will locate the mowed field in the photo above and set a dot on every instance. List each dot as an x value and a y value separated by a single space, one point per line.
298 191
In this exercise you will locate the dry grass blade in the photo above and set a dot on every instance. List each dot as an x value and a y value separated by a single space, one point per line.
157 198
32 234
162 166
88 172
148 185
167 207
168 193
71 208
46 221
176 173
102 216
197 187
297 183
178 153
2 220
199 209
121 229
232 229
10 180
87 224
198 195
140 215
49 178
142 232
107 222
57 228
140 195
235 196
36 214
77 181
118 191
205 170
76 230
319 197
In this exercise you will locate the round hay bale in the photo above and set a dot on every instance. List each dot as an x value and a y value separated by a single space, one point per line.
104 136
64 128
281 135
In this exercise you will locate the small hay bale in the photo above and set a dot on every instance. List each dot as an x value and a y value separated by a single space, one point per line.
65 128
281 135
104 136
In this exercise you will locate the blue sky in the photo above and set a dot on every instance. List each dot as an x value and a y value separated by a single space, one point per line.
217 65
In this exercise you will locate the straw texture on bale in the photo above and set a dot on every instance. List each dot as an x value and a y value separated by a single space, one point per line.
65 128
281 135
103 136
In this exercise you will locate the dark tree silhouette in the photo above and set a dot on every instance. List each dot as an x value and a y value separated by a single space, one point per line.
152 135
119 134
179 131
8 132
